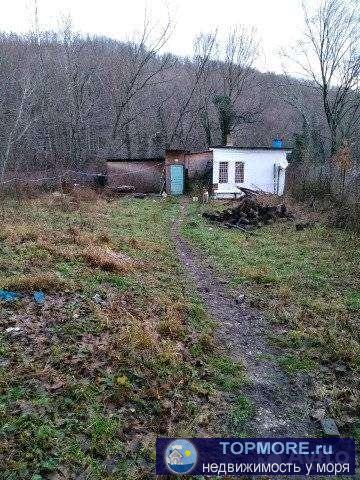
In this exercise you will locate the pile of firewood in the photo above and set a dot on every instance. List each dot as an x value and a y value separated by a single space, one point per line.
249 213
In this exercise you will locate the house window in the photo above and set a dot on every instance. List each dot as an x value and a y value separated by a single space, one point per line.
239 172
223 172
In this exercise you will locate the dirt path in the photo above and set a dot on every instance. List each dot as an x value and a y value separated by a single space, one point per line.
282 408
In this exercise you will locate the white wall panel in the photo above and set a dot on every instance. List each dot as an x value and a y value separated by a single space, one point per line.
258 168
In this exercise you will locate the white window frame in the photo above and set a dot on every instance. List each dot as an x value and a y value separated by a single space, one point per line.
224 173
241 165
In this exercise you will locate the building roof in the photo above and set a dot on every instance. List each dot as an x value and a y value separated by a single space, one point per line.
152 159
198 152
176 151
251 148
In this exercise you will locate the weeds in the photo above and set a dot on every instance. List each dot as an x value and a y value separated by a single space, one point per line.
307 283
118 354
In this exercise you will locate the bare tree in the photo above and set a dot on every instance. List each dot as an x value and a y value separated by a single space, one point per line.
20 116
68 99
235 71
140 69
207 87
203 49
79 74
328 55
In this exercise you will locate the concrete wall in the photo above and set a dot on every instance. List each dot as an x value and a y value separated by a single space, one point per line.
146 176
258 170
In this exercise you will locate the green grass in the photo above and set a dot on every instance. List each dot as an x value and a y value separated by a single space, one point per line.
353 301
229 375
307 284
90 384
240 414
292 364
356 432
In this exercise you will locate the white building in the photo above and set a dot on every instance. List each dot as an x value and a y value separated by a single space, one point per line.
261 168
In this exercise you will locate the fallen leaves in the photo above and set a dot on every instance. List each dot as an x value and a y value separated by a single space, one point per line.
57 386
94 368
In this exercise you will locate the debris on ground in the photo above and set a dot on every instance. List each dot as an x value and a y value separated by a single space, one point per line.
303 225
7 296
329 427
39 297
4 362
98 299
13 331
318 414
250 213
121 190
240 299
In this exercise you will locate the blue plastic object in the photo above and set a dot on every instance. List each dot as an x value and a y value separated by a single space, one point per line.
7 296
277 143
39 297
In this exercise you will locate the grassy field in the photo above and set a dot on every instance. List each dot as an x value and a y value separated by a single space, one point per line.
120 352
308 284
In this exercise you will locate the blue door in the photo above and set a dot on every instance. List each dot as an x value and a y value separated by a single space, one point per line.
177 179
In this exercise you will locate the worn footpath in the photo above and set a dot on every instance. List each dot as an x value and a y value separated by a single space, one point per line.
281 407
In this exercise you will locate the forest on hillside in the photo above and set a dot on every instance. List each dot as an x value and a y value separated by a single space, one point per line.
67 100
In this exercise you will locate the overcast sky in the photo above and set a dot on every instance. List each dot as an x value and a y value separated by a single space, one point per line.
278 22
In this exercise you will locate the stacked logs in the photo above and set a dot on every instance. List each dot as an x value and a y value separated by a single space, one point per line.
249 214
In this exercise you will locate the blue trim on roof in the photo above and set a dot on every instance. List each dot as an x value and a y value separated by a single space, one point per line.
251 148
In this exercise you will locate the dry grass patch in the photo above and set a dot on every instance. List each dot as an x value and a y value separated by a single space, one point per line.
109 260
172 323
94 248
42 281
307 282
17 234
70 244
170 352
69 201
85 194
136 328
69 252
260 275
83 238
96 371
139 332
141 244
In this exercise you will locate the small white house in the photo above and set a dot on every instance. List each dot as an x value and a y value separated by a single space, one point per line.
261 168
